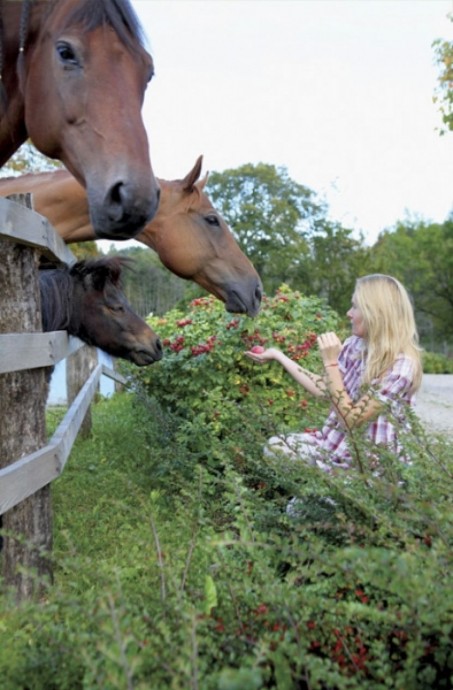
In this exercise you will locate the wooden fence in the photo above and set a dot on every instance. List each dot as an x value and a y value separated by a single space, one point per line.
22 351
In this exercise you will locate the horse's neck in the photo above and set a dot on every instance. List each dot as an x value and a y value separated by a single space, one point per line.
65 206
13 132
58 197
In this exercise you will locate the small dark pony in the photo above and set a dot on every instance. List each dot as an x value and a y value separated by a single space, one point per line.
86 300
73 74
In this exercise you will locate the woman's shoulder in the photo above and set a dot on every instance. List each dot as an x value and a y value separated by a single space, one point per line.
404 365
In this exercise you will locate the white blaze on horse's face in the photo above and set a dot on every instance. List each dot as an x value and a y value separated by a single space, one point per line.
83 79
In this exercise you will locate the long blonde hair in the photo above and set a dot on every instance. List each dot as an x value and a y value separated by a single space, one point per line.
389 322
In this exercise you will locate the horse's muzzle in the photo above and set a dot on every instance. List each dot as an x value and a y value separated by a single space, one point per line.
144 355
124 212
244 298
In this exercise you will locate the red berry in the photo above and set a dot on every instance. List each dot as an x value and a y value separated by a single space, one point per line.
257 349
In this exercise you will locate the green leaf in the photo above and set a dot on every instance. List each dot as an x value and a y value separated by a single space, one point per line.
210 594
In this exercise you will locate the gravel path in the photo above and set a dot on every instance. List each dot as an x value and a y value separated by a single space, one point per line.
434 403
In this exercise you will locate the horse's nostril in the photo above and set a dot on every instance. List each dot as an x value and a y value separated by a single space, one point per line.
158 345
115 202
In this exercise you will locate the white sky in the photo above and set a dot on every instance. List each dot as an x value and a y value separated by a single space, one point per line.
337 91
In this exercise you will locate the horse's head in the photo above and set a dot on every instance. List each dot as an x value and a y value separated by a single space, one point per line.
103 315
83 72
194 241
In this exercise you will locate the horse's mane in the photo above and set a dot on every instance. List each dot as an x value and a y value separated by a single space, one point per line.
118 14
101 270
57 287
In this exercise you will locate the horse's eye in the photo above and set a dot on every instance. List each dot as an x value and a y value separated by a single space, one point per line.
66 53
212 220
117 308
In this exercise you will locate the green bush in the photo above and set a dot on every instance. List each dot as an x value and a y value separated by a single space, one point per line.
205 376
169 579
435 363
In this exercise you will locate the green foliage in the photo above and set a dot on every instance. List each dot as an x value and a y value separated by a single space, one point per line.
166 578
420 254
148 285
435 363
444 92
85 250
28 159
337 260
271 215
283 228
205 376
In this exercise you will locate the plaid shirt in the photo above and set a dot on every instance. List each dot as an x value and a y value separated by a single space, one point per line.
393 390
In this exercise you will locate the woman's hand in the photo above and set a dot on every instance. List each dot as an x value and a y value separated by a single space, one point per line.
266 356
330 347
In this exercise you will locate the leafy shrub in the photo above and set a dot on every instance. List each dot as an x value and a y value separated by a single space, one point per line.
436 363
199 580
205 376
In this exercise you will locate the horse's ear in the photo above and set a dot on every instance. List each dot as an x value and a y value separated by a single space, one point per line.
97 276
202 183
95 273
188 182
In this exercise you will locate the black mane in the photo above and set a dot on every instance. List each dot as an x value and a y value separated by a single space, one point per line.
56 288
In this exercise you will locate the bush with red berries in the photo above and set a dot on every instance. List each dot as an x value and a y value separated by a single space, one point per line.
205 374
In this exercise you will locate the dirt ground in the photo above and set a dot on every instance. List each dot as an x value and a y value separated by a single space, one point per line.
434 403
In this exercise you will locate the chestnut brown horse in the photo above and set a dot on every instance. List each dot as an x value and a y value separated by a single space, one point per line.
86 300
190 237
73 77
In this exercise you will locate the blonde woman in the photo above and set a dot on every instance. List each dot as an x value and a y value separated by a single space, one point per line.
371 380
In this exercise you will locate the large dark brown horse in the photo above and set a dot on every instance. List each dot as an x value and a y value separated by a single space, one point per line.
87 301
189 235
73 76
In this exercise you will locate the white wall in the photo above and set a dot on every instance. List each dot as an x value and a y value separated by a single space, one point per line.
57 390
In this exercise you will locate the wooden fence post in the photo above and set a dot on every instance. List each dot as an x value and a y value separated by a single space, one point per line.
79 366
28 526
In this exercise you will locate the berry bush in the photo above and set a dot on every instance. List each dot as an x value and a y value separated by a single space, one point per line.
205 376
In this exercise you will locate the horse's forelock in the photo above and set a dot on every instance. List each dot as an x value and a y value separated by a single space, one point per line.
100 271
118 14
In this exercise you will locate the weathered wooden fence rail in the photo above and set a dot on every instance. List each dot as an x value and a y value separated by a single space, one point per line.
22 478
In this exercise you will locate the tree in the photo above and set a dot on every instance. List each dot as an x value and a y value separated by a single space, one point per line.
85 250
283 228
271 216
420 254
28 159
444 92
337 259
149 286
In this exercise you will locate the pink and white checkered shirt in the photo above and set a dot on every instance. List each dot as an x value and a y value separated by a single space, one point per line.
393 390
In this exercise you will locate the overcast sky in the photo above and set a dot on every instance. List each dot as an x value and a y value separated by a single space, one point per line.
340 92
